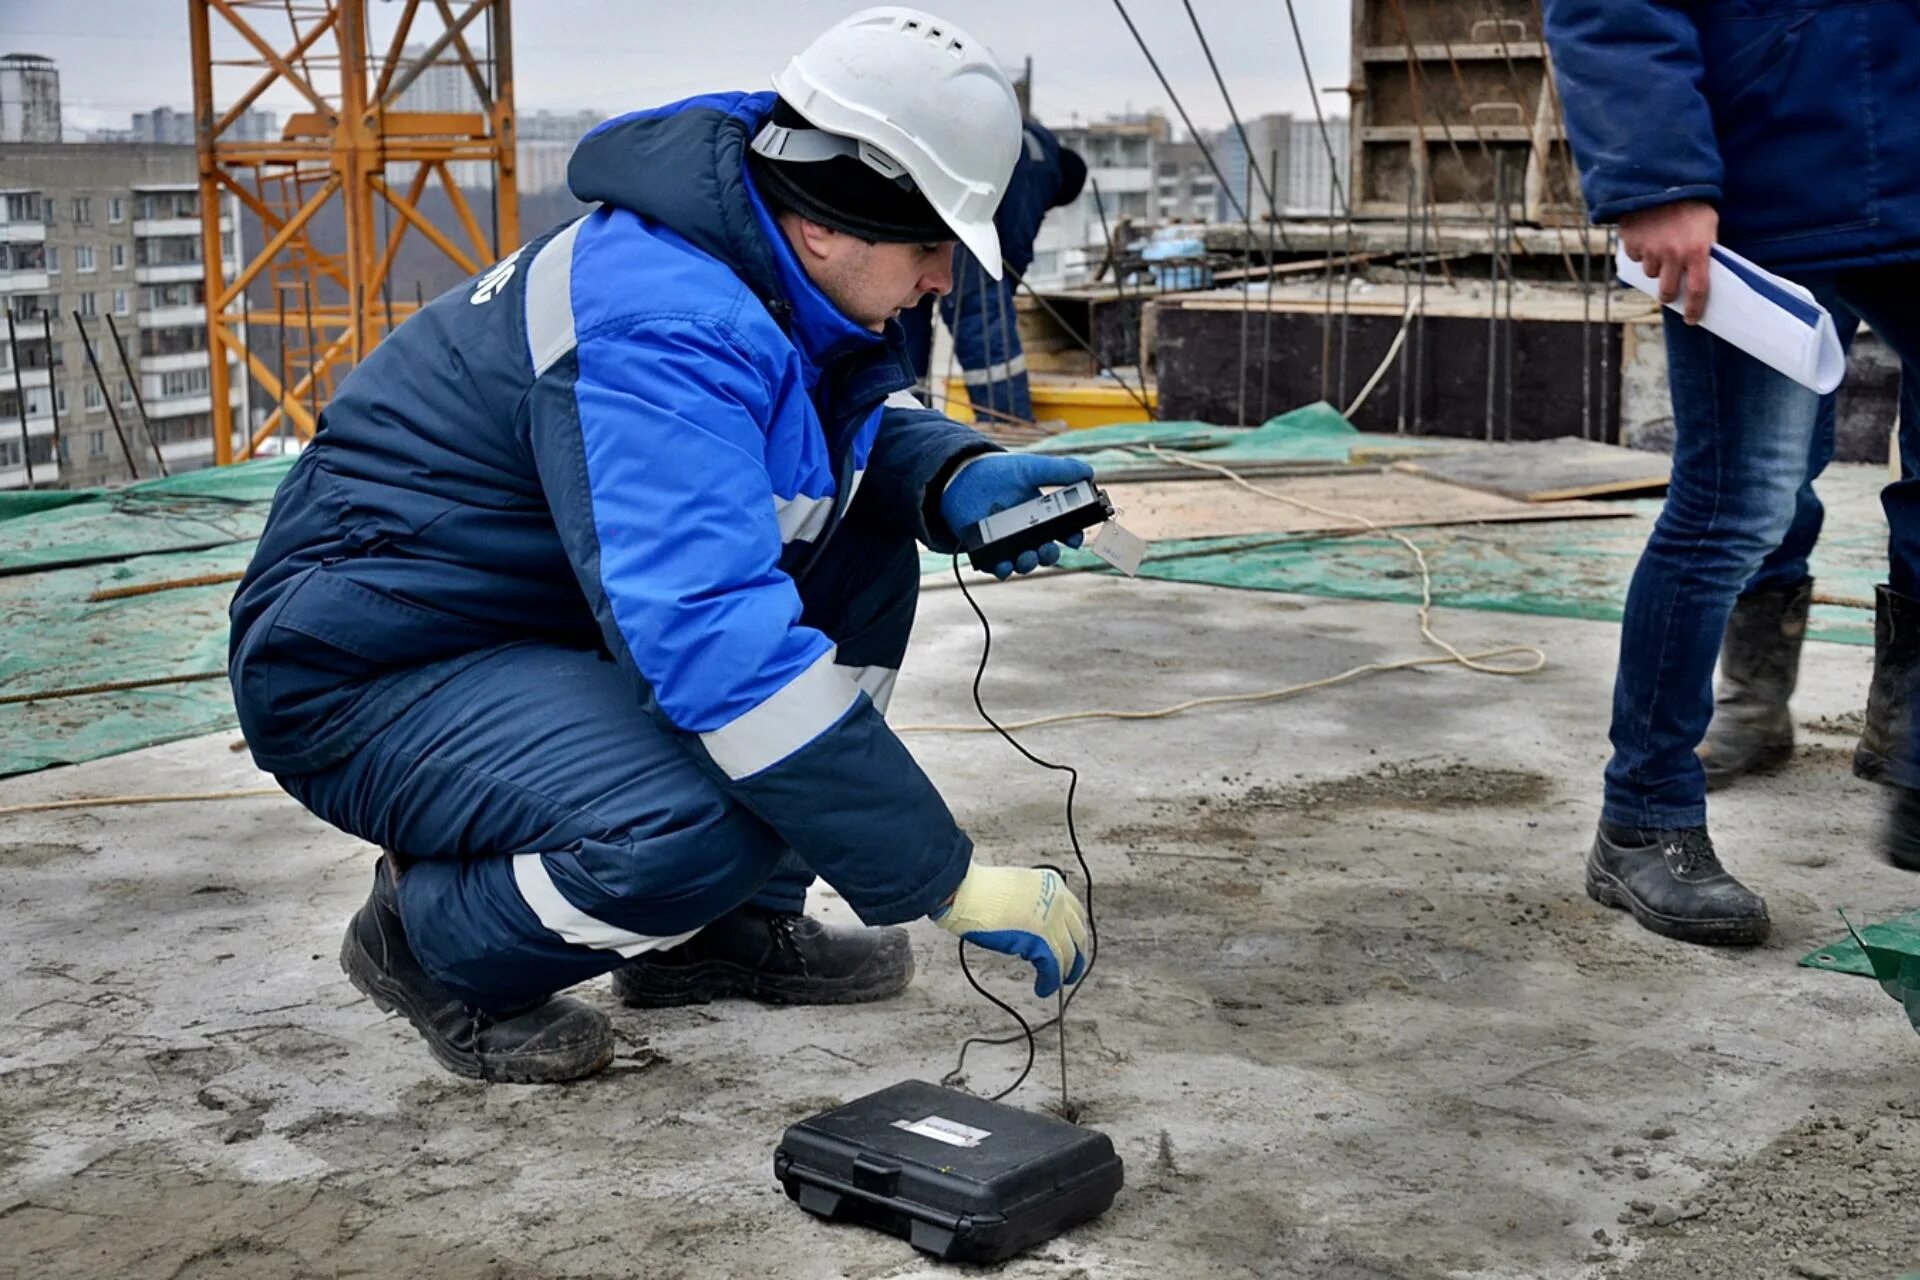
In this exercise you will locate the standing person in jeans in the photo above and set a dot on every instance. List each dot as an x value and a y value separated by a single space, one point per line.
1788 130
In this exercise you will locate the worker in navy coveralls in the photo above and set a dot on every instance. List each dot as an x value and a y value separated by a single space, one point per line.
587 599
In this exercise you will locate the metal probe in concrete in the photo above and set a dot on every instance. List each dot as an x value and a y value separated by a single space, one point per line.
1060 994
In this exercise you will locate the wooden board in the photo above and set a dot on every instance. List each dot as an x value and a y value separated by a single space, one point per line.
1547 470
1220 508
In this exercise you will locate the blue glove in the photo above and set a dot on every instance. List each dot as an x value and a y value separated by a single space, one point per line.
995 481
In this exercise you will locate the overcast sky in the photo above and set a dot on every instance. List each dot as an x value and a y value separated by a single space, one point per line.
121 56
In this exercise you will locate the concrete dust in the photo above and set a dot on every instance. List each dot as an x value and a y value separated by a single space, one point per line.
1353 1016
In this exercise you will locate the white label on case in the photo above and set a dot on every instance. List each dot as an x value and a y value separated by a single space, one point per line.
951 1132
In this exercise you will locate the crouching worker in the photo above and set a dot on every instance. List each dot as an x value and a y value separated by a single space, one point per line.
586 601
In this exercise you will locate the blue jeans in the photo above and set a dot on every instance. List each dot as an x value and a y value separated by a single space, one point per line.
1740 515
542 750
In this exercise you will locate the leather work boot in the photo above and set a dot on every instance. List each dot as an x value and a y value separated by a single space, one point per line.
1896 664
543 1043
770 957
1900 840
1673 883
1752 731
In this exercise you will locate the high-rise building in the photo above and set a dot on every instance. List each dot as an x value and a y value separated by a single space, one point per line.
442 86
1310 172
1268 142
93 232
545 145
175 128
29 98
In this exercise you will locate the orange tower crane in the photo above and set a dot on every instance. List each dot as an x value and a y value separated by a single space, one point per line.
341 189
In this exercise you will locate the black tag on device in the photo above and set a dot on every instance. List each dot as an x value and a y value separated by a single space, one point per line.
959 1177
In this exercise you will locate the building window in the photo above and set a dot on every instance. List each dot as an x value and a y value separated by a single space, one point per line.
187 293
53 259
184 382
60 400
88 306
23 207
85 258
96 444
91 397
66 454
116 209
167 251
83 211
120 302
126 393
120 257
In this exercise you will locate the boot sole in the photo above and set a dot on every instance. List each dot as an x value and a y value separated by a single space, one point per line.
1608 891
388 997
711 980
1765 760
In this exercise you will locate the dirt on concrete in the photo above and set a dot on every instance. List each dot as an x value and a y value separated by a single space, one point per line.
1823 1201
1353 1017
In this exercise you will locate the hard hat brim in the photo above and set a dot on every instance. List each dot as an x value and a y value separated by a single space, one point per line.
983 242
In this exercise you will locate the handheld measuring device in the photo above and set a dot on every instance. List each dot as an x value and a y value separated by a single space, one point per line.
1003 536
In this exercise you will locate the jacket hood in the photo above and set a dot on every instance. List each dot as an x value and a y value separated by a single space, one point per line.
684 167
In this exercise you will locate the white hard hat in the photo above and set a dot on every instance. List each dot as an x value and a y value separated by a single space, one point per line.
908 93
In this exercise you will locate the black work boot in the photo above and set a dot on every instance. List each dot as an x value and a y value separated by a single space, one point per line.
1674 884
1900 840
1896 664
542 1043
771 957
1759 666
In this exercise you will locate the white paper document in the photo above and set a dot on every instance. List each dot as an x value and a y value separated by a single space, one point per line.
1774 320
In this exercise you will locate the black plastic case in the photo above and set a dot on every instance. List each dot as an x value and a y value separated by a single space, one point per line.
959 1177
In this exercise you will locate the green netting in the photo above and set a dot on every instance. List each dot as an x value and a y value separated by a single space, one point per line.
193 511
1311 433
58 639
52 559
27 502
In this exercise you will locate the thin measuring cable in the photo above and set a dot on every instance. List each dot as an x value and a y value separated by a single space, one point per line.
1027 1031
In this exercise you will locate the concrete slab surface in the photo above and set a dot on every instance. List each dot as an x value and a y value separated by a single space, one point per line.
1353 1015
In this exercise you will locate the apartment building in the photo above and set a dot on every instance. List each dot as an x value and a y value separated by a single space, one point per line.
99 239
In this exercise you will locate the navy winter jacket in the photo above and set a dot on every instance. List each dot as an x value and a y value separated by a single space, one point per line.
1798 119
631 433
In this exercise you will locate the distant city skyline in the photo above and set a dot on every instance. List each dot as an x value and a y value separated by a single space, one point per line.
119 57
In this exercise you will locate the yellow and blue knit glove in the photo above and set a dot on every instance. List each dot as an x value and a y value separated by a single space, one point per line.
1027 912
